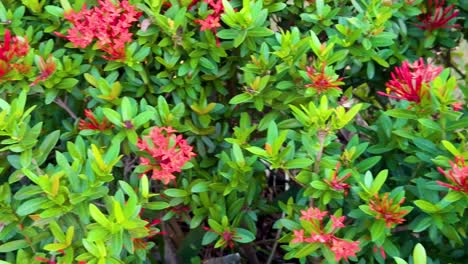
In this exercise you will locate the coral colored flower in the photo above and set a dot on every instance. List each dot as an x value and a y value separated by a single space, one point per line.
344 249
298 236
12 49
388 210
336 183
321 81
107 24
437 16
313 213
319 234
93 123
167 153
212 21
46 69
409 82
457 106
337 222
458 175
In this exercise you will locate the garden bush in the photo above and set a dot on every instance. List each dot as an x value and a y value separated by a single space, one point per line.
188 131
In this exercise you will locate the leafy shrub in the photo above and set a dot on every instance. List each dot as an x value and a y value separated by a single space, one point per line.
146 131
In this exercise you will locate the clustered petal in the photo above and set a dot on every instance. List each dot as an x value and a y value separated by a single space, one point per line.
107 24
458 175
93 123
338 183
437 16
408 81
343 249
211 22
12 50
321 81
168 153
388 209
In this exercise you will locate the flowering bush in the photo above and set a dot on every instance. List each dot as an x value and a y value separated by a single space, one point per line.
151 131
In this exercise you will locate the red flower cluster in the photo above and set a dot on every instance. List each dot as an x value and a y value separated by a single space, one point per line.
458 175
211 22
318 234
388 210
408 81
108 24
321 81
12 49
437 16
338 183
168 153
46 69
93 123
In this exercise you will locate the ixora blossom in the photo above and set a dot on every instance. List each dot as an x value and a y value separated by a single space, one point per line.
12 49
410 81
338 183
458 175
437 16
166 153
93 123
46 69
343 249
388 209
321 81
108 24
211 22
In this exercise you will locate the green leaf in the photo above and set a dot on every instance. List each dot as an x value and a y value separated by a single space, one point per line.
429 124
368 163
241 98
208 238
299 163
157 205
320 185
243 236
54 10
401 113
451 148
378 182
13 246
307 250
98 216
112 116
228 34
127 113
200 187
260 32
172 192
399 260
30 206
419 254
377 230
426 206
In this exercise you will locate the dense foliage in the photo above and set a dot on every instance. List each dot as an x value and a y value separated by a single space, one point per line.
152 131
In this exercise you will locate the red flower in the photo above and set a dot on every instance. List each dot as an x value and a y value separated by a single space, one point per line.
11 50
321 81
409 81
437 16
458 175
337 222
313 213
211 22
46 69
93 123
344 249
108 24
388 210
168 153
336 183
319 234
298 236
